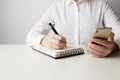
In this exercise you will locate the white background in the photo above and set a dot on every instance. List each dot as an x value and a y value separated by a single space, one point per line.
18 16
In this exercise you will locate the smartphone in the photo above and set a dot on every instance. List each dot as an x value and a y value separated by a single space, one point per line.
102 33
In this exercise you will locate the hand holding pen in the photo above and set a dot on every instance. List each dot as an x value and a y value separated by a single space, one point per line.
54 41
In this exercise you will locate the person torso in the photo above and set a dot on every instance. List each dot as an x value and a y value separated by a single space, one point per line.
77 21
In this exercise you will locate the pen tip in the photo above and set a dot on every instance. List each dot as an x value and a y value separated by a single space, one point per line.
50 24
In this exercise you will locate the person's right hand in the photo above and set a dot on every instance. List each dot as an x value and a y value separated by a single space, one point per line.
55 42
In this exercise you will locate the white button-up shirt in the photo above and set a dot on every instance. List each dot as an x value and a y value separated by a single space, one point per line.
76 21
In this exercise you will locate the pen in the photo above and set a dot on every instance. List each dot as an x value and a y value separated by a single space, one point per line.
53 28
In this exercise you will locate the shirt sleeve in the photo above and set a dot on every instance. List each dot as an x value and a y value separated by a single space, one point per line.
111 20
41 28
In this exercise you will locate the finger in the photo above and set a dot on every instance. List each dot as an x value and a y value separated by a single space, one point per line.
59 37
101 53
58 42
95 52
111 37
55 47
100 42
112 34
63 39
97 47
61 44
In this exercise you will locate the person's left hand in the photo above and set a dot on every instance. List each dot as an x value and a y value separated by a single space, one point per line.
100 47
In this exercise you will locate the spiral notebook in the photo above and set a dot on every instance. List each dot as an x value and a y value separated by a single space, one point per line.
68 51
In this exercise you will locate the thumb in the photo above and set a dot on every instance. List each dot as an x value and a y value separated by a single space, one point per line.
111 37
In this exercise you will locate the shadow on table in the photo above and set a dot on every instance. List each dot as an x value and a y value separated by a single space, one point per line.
114 55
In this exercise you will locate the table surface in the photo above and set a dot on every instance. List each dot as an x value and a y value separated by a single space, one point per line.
20 62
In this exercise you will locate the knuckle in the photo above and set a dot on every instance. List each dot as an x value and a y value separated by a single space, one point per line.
90 44
94 46
60 38
101 49
97 47
64 38
64 46
58 41
88 48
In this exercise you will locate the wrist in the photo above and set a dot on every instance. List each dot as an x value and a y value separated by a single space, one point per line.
42 41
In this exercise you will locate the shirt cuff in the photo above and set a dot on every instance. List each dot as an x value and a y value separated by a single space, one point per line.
118 42
38 39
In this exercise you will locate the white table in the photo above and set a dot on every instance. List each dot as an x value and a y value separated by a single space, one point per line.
19 62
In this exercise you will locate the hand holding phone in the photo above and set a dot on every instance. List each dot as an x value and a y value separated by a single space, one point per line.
102 43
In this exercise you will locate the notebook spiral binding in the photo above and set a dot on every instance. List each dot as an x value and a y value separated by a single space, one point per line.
70 52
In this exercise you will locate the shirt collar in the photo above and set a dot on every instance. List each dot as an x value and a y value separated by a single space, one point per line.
72 1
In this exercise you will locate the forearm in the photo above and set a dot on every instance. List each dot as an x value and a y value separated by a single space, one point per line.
33 38
37 33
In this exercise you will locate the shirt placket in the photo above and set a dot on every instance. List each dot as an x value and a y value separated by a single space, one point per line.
77 20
